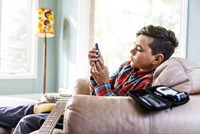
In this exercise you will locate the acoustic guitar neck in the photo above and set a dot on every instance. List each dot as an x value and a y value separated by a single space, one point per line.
52 119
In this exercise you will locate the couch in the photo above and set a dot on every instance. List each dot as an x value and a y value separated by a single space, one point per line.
116 115
85 114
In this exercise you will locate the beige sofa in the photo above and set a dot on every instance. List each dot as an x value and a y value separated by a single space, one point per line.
116 115
87 114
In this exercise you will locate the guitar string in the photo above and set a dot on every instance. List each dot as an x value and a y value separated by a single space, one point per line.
57 112
44 128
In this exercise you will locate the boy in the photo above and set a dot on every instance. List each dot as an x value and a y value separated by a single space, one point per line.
154 45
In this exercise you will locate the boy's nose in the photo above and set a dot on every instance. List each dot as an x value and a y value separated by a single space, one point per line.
133 51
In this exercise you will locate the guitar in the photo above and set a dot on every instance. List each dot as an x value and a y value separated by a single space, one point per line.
56 111
48 102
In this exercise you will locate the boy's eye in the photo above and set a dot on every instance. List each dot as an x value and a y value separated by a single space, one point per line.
138 48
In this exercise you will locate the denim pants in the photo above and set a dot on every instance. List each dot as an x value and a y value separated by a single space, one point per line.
22 119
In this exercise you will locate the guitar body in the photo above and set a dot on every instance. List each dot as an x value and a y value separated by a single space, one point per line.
44 107
48 102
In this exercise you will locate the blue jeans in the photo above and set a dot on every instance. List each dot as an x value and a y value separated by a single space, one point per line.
22 119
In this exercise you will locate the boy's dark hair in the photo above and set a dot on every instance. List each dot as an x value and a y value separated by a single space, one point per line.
164 41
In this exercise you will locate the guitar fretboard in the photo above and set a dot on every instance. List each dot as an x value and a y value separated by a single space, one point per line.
52 119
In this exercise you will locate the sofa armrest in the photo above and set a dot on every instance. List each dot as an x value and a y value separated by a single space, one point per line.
117 115
81 87
104 115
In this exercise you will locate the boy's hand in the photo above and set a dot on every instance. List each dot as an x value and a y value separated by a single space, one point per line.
93 56
100 73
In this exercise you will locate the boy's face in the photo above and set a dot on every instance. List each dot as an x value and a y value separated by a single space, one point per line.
141 53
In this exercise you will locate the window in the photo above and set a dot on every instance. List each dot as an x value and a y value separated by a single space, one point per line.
114 24
17 39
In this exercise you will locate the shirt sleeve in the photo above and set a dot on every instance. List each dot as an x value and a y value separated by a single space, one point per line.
92 85
101 89
104 89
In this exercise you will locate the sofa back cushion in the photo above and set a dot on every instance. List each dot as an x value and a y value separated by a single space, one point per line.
180 74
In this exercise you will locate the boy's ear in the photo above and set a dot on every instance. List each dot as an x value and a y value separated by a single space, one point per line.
158 59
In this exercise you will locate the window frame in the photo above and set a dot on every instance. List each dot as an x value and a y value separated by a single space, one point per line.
32 49
183 31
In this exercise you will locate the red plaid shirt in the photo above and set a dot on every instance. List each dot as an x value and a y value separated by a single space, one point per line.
124 79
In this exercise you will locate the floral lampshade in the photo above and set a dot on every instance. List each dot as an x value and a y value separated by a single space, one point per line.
45 25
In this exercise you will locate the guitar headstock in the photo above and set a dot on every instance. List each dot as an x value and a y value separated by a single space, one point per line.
53 97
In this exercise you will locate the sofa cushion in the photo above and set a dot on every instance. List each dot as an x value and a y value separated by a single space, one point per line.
122 115
104 115
180 74
14 101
